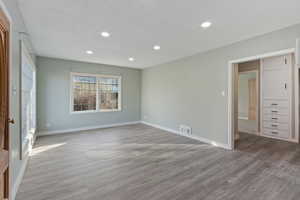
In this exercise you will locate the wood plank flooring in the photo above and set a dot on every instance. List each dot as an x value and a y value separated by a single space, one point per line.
138 162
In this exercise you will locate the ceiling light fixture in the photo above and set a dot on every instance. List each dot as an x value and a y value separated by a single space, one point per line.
206 25
131 59
89 52
105 34
156 47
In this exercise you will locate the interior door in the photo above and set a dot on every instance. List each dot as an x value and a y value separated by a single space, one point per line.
236 102
4 106
275 77
252 99
275 83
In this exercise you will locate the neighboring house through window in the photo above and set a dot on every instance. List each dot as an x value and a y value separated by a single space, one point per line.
92 93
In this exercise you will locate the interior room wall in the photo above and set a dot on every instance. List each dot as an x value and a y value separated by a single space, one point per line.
53 95
17 166
193 90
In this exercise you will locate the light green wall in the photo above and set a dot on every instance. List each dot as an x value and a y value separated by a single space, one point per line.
53 95
188 91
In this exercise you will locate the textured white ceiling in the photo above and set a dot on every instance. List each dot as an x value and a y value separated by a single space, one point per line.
67 28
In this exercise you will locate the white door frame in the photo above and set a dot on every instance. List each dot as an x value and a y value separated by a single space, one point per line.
231 90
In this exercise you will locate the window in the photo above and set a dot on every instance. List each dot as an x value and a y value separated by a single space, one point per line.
28 96
92 93
84 92
109 93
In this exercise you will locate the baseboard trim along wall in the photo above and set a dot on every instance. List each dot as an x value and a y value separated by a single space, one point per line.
25 159
86 128
19 179
201 139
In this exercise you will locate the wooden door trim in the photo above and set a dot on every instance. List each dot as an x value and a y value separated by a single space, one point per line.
4 22
5 153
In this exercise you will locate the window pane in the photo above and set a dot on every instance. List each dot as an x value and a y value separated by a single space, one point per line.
28 98
84 93
109 93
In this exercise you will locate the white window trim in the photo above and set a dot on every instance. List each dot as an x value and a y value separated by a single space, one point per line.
26 142
97 95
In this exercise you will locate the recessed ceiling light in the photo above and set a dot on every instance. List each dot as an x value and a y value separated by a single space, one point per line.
89 52
206 24
131 59
105 34
156 47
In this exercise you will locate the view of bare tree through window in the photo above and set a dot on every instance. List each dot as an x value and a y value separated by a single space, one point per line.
84 93
108 89
86 89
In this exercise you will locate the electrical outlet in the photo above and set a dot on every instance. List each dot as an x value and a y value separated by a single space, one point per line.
188 131
14 90
181 130
223 93
185 130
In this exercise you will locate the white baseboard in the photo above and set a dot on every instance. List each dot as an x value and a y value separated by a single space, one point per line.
25 160
201 139
19 179
43 133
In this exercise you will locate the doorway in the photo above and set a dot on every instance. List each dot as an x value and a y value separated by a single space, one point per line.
247 101
285 58
4 106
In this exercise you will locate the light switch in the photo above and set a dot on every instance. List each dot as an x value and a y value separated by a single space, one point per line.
14 90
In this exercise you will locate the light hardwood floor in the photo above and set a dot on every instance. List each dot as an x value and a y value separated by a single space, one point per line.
138 162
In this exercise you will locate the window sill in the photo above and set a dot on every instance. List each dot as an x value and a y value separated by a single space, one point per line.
94 111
